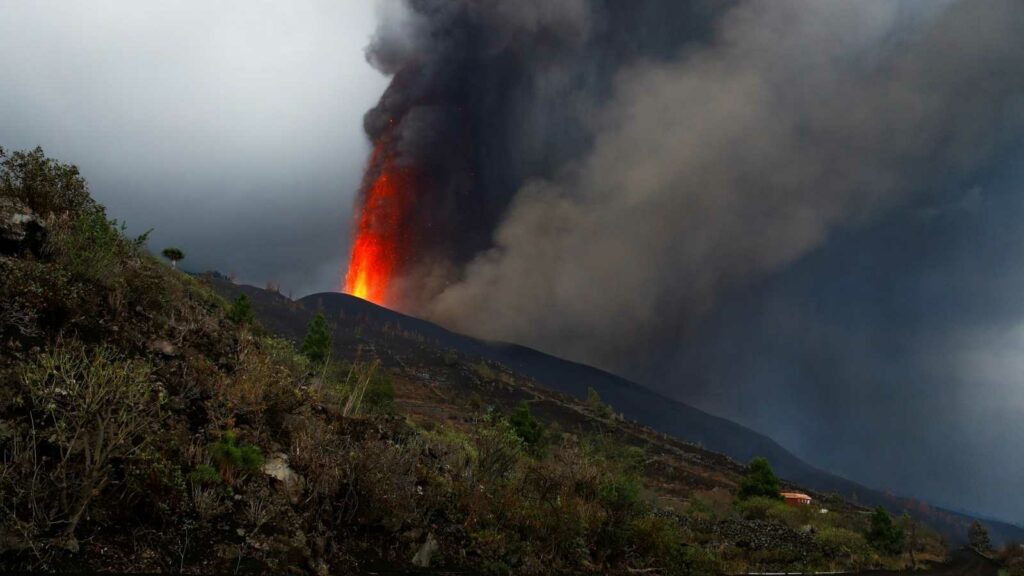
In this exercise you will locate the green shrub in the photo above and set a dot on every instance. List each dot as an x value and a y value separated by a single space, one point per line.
793 516
241 311
597 406
205 475
93 248
620 494
885 536
47 186
838 543
380 396
528 429
760 508
759 481
661 543
233 457
497 448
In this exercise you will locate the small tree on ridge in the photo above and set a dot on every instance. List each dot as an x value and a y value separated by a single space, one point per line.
977 535
241 311
173 254
317 344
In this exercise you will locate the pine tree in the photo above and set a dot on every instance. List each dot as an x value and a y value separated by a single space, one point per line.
977 535
528 429
317 344
760 481
241 311
598 406
885 535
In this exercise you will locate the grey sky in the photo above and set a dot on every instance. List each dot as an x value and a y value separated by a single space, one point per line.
234 128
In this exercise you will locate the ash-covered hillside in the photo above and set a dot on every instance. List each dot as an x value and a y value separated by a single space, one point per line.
361 324
147 424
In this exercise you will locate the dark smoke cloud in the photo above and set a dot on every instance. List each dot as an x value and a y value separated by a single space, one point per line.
486 96
600 174
736 159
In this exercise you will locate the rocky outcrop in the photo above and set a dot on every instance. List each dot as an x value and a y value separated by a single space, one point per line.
21 230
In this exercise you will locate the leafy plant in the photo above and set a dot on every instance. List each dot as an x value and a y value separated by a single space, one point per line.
759 481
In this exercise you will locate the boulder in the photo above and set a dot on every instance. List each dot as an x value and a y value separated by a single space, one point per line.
163 347
422 557
277 468
21 230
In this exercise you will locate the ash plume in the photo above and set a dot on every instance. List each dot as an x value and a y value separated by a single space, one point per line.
594 174
486 96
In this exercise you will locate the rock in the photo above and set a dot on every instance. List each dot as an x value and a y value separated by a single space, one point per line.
277 468
71 544
422 557
21 230
163 347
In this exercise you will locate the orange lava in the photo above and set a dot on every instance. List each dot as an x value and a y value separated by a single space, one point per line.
379 249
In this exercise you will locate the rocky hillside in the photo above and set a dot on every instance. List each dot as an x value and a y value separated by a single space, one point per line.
149 425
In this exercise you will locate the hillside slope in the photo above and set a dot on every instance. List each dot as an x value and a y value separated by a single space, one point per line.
147 425
633 401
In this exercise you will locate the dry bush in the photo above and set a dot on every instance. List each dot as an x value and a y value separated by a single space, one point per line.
326 460
498 449
87 409
207 502
714 504
357 389
1012 558
388 483
263 384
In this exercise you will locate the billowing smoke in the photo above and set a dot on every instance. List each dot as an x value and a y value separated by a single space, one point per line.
486 96
590 174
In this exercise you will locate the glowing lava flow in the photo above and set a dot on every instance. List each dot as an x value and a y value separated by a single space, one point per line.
379 248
